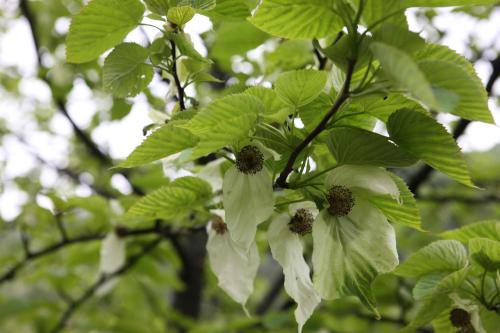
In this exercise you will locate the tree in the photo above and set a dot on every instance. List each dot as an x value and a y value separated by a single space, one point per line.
265 154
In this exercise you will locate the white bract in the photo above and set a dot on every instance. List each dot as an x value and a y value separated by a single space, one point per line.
112 258
350 251
286 248
234 266
248 201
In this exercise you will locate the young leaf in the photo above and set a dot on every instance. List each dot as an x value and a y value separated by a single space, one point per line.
403 211
99 26
180 15
300 19
428 140
350 145
486 252
159 7
484 229
174 200
404 72
125 72
301 87
185 46
440 256
164 141
472 99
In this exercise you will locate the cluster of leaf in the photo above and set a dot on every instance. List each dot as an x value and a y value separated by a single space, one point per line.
392 75
451 276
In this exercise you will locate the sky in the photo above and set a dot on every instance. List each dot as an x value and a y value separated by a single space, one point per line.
119 138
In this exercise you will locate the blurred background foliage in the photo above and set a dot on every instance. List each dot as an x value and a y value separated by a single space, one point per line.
60 136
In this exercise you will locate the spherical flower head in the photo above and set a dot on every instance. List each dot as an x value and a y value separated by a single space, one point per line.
340 199
218 225
301 222
249 160
460 318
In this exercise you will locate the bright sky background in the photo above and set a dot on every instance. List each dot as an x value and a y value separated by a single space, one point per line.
120 138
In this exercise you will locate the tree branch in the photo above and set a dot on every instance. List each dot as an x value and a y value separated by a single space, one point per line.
158 229
90 291
341 98
178 84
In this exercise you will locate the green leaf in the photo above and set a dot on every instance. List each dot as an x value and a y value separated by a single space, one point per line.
486 252
382 106
436 299
299 19
289 55
99 26
405 211
404 72
159 7
198 4
350 145
224 122
428 140
399 37
180 15
389 11
350 252
229 10
185 46
472 98
120 109
174 200
300 87
440 256
485 229
125 72
274 107
446 3
166 140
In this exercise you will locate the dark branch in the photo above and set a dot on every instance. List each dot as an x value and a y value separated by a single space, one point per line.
341 98
180 89
158 229
90 291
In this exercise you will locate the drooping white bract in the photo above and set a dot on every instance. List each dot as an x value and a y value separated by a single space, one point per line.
112 258
234 266
350 251
248 201
286 248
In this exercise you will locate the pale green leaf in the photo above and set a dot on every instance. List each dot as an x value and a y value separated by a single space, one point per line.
399 37
389 11
382 106
351 251
159 7
180 15
485 229
300 87
164 141
125 72
198 4
446 3
472 101
175 200
402 70
428 140
185 46
99 26
273 105
403 211
224 122
229 10
289 55
436 299
302 19
440 256
486 252
350 145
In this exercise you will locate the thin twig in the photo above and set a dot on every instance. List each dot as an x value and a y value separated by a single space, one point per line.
177 81
341 98
90 291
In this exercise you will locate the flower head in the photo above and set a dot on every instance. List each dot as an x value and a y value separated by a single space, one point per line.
353 241
249 160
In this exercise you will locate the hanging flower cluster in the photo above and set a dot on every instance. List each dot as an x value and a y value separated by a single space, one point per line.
353 241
